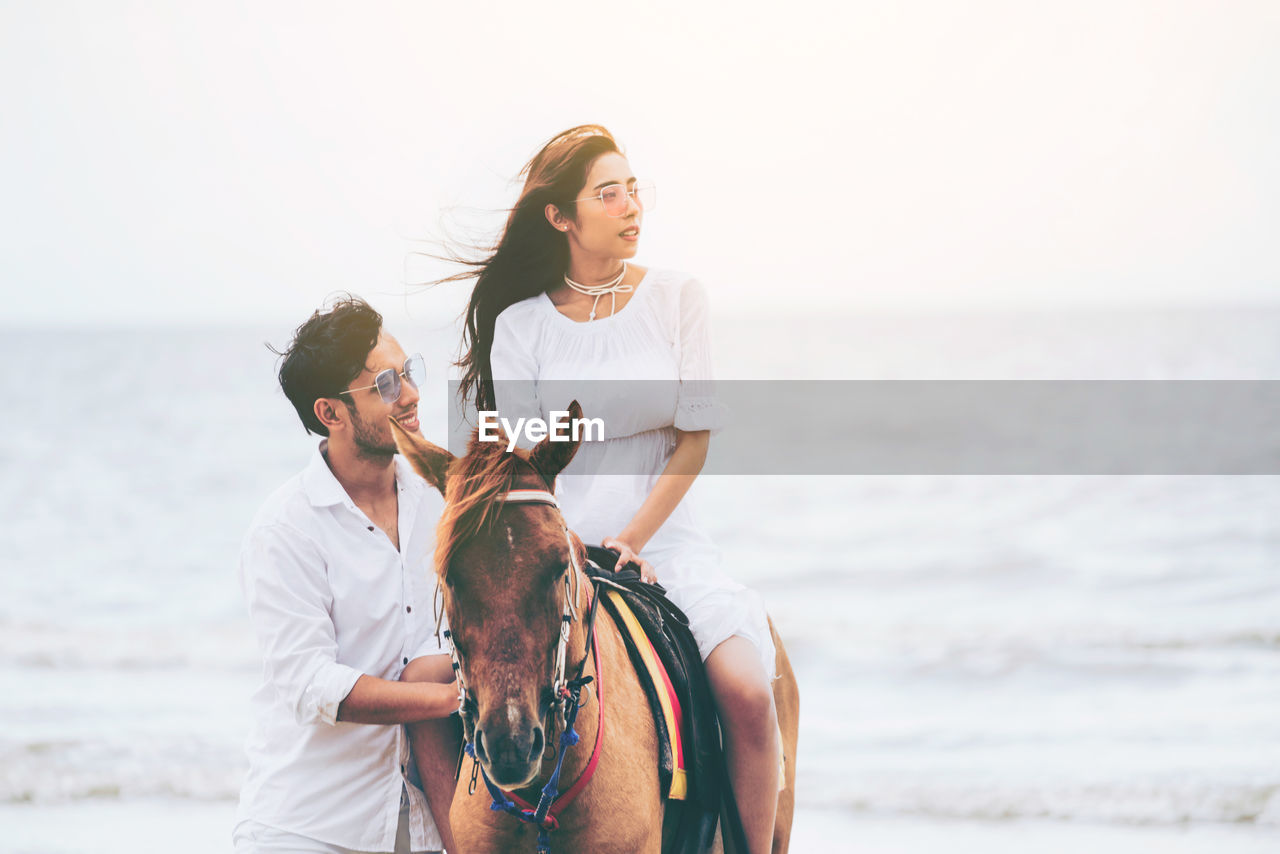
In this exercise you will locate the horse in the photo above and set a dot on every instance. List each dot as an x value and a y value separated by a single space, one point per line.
516 598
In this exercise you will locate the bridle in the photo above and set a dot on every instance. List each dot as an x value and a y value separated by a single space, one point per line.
572 582
565 698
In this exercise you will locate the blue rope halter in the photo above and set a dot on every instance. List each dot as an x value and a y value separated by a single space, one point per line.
541 814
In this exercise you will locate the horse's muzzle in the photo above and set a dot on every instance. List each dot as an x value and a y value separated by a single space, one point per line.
511 749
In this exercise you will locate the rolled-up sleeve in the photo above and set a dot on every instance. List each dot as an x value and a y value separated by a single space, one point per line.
697 407
283 576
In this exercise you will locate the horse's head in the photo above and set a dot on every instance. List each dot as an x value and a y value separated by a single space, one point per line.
503 567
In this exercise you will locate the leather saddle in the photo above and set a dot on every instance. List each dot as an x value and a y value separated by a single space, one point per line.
691 762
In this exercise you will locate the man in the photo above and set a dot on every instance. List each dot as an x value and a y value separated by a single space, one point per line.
336 572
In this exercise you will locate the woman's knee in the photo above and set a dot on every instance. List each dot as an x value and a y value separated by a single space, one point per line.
748 715
751 703
742 688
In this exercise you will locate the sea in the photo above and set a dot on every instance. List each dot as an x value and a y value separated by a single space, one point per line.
986 663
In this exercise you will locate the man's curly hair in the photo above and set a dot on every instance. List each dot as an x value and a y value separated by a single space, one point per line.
328 351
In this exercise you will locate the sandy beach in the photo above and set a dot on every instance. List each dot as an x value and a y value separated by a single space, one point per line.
156 825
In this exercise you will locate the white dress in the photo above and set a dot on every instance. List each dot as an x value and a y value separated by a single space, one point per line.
660 335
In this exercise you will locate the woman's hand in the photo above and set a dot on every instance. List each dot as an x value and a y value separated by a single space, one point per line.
627 555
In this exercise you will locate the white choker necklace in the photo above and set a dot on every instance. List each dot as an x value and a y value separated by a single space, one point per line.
613 287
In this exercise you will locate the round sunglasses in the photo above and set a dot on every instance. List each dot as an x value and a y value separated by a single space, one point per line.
617 198
388 382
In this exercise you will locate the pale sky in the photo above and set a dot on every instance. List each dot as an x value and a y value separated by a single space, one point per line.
237 162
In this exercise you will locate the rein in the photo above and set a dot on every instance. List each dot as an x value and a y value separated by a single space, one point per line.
565 699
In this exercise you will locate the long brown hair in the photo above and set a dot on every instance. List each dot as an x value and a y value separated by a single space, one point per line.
531 256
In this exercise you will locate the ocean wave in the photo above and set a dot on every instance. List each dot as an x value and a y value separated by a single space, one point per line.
207 646
60 771
1163 802
1013 635
211 776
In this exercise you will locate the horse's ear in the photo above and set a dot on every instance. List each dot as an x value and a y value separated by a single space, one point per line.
549 457
430 461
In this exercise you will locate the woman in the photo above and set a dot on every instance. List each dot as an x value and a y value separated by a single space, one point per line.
557 300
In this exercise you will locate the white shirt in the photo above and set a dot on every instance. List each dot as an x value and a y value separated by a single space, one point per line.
646 372
330 598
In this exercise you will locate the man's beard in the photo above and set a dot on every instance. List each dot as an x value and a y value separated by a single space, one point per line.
369 443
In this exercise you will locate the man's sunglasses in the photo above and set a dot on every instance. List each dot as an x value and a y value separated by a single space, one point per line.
388 382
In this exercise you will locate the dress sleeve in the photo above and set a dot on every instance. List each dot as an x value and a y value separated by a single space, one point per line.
515 372
285 585
696 406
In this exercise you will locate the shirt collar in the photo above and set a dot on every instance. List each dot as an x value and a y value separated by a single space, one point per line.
318 482
324 490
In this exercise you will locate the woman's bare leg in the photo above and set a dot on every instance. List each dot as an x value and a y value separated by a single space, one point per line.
435 745
744 699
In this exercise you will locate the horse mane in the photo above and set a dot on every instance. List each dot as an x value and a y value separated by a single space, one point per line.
474 482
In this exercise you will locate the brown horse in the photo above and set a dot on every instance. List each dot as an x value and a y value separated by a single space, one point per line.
511 577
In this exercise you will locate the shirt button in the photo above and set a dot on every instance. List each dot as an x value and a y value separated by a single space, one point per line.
370 527
406 661
408 609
